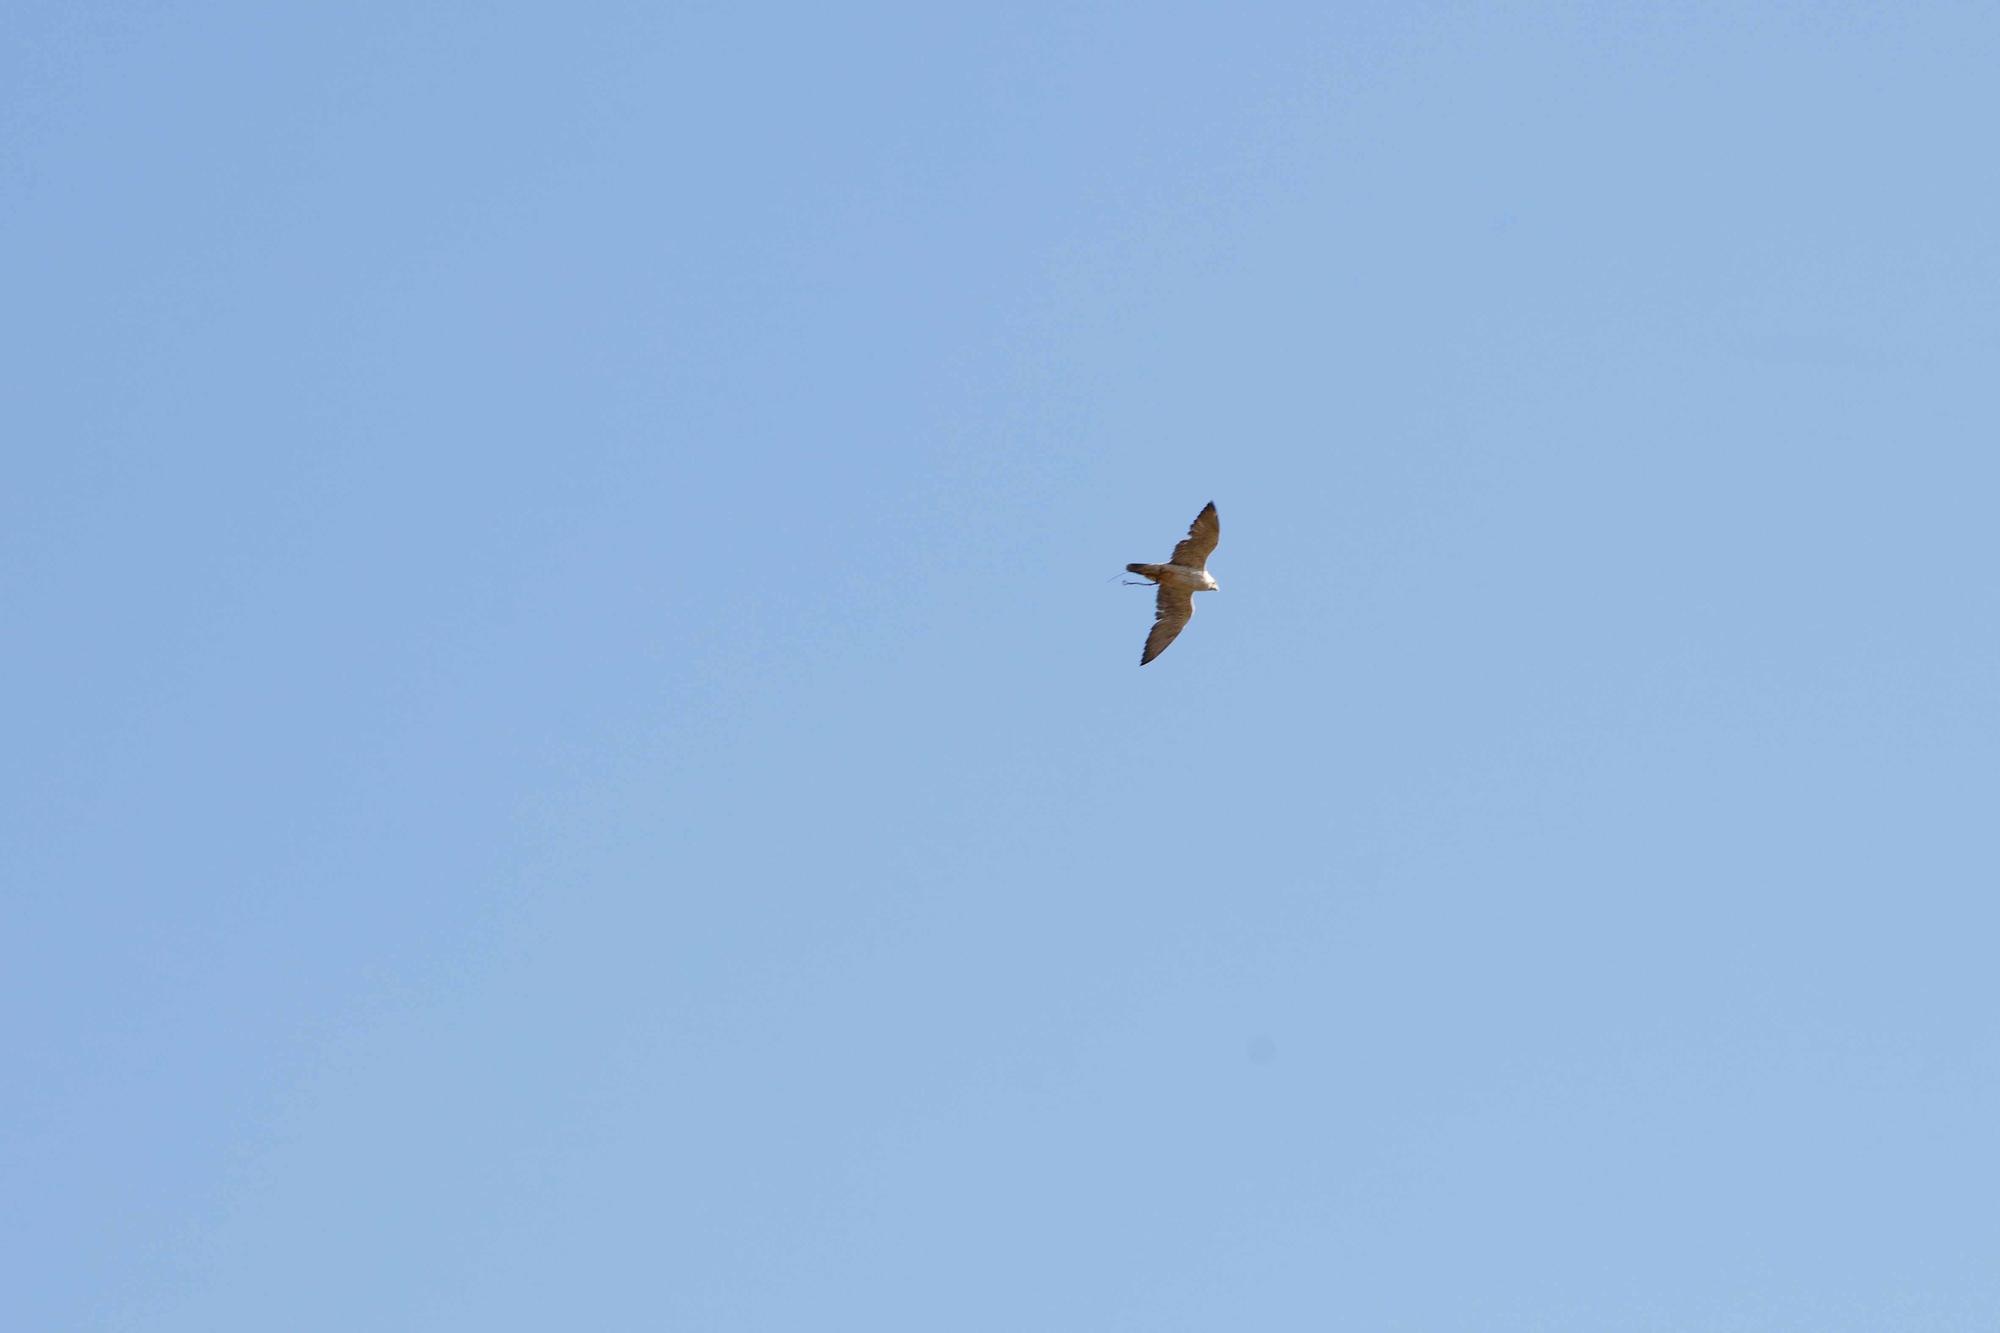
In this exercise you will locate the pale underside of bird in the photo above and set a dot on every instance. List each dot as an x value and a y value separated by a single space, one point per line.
1184 575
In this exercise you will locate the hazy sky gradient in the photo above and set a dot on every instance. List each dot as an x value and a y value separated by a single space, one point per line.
574 758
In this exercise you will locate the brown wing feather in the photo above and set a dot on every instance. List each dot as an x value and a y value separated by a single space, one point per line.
1171 613
1199 544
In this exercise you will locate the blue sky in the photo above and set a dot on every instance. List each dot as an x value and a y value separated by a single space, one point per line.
574 759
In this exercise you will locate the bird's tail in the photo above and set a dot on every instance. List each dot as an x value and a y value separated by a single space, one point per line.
1145 571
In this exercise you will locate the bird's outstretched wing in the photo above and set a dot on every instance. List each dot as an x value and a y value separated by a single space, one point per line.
1199 544
1171 613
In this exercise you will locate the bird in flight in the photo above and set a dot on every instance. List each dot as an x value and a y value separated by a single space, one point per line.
1184 575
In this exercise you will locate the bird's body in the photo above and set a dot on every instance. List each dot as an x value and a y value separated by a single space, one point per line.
1184 575
1178 576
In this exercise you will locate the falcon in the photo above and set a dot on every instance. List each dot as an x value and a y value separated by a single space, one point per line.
1184 575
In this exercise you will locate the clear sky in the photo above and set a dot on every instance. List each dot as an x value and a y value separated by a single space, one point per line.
574 758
